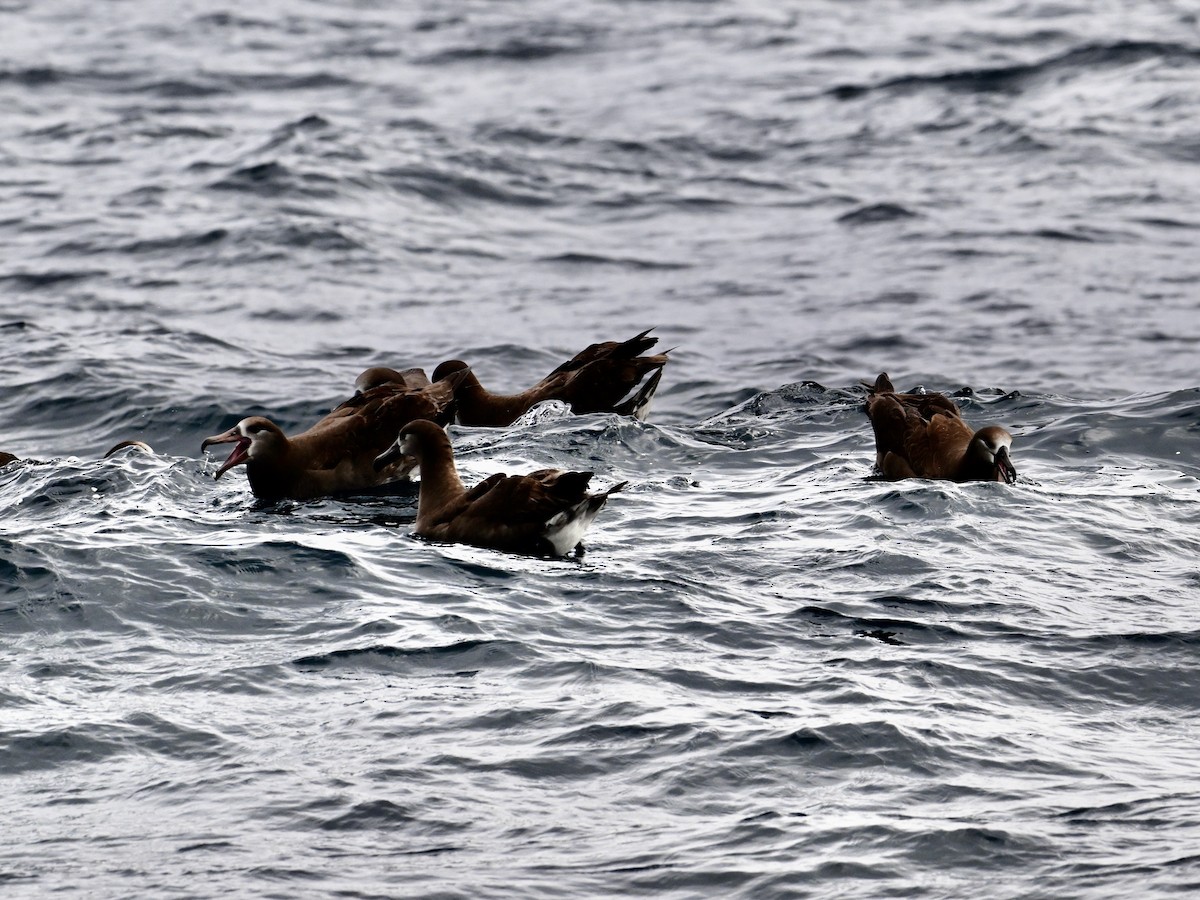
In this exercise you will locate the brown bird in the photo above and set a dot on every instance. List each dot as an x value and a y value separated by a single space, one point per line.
336 455
6 458
414 379
595 380
544 513
924 436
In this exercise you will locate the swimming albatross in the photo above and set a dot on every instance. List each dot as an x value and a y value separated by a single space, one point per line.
337 454
924 436
544 513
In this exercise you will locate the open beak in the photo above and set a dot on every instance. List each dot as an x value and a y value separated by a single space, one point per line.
240 453
1005 467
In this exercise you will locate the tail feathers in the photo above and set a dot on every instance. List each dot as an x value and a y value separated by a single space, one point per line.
638 405
608 351
570 485
565 529
615 489
635 346
881 385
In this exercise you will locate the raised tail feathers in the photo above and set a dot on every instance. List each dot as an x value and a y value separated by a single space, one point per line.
639 404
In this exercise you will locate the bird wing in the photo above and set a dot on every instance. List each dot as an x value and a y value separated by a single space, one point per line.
628 349
598 378
527 500
934 448
367 424
930 405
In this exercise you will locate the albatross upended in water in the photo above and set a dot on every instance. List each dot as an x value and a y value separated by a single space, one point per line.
337 454
924 436
544 513
597 379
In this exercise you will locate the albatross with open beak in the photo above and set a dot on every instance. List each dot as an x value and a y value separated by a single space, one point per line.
337 454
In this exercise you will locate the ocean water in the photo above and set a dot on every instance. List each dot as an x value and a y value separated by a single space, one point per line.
771 675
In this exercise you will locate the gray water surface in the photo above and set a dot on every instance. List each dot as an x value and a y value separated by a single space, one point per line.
771 676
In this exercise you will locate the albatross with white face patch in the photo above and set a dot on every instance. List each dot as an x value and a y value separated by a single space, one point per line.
337 454
924 436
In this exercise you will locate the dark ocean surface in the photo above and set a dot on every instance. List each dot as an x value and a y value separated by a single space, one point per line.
771 676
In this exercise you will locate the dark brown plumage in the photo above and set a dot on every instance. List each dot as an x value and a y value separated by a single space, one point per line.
597 379
413 379
336 455
924 436
6 458
544 513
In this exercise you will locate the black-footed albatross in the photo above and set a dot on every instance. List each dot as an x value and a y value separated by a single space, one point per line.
544 513
337 454
597 379
924 436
